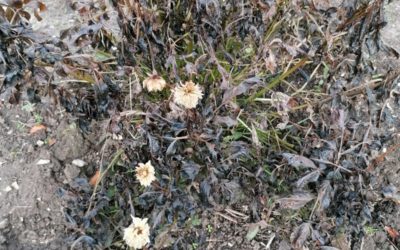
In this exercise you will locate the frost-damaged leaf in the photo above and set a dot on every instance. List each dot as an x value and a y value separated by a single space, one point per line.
390 192
190 170
316 236
205 189
164 239
254 228
300 235
329 248
296 201
225 120
325 195
298 161
242 88
252 232
171 148
310 177
153 144
254 136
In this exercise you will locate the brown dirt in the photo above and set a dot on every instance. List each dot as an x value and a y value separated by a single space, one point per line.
31 215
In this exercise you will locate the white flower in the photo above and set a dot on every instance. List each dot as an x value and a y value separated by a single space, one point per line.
154 83
137 234
187 95
145 173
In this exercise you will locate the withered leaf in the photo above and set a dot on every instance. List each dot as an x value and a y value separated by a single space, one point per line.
310 177
300 235
225 120
329 248
394 234
296 201
242 88
299 161
324 195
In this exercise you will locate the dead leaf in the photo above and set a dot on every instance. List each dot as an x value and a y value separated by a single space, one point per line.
254 229
325 195
393 233
296 201
310 177
300 235
37 128
299 161
51 141
254 137
225 120
95 178
164 239
252 232
242 88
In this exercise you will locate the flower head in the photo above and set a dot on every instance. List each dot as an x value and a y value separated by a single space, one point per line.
154 82
137 234
145 173
187 95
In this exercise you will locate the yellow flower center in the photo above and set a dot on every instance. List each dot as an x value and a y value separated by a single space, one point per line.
144 172
189 88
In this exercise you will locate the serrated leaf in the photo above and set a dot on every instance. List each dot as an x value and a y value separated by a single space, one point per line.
299 161
300 235
296 201
310 177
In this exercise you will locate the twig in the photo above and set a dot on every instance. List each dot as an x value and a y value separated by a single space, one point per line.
333 164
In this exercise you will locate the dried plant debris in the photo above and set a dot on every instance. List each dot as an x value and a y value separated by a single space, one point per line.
275 108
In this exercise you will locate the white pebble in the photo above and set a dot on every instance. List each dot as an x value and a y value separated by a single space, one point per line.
7 189
40 143
15 185
43 162
78 163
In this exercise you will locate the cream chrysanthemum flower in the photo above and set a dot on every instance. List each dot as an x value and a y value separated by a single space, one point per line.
154 82
145 173
188 95
137 234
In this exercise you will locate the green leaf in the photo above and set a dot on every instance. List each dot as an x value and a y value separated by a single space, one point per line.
101 56
253 230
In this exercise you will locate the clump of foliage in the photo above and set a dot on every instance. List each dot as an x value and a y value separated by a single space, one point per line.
271 130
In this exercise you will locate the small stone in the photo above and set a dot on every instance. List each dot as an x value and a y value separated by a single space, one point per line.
2 239
79 163
71 172
40 143
43 162
7 189
3 224
15 185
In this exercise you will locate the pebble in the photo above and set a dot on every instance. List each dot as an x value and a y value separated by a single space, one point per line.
15 185
79 163
3 224
7 189
40 143
43 162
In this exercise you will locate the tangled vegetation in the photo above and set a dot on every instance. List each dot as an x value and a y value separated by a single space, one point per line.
275 133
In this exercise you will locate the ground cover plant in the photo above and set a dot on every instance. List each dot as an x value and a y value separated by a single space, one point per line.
268 117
